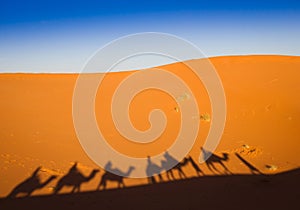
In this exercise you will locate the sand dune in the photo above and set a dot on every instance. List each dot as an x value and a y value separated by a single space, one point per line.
261 127
209 192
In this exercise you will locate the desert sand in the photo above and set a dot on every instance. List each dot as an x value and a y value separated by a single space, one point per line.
261 138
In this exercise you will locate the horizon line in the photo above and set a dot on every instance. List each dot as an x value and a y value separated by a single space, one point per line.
143 68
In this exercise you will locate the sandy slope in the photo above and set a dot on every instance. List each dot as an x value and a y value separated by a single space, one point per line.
278 191
262 120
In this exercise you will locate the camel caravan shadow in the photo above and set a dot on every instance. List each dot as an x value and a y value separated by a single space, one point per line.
235 191
74 178
169 165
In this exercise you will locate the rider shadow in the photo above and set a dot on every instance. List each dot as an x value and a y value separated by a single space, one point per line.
28 186
153 169
212 159
171 164
74 178
252 168
113 175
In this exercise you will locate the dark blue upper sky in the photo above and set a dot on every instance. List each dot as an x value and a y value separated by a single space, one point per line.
13 11
59 36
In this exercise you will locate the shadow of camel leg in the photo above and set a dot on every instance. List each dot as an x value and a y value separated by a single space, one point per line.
172 174
160 178
209 167
168 176
181 173
226 169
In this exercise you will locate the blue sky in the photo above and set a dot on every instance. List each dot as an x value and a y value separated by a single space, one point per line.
59 36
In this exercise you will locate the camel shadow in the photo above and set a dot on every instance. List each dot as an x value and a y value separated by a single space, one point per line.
195 166
168 165
179 165
31 184
171 164
74 178
114 175
212 160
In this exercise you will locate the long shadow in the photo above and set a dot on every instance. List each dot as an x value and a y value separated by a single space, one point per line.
252 168
196 167
152 170
177 166
116 176
212 159
170 164
74 178
205 192
28 186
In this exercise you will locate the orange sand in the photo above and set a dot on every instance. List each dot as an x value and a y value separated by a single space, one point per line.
262 124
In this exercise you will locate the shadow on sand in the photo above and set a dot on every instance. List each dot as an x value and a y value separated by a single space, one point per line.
205 192
222 190
29 185
74 178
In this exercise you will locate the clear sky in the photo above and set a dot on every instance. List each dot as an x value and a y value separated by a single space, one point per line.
59 36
